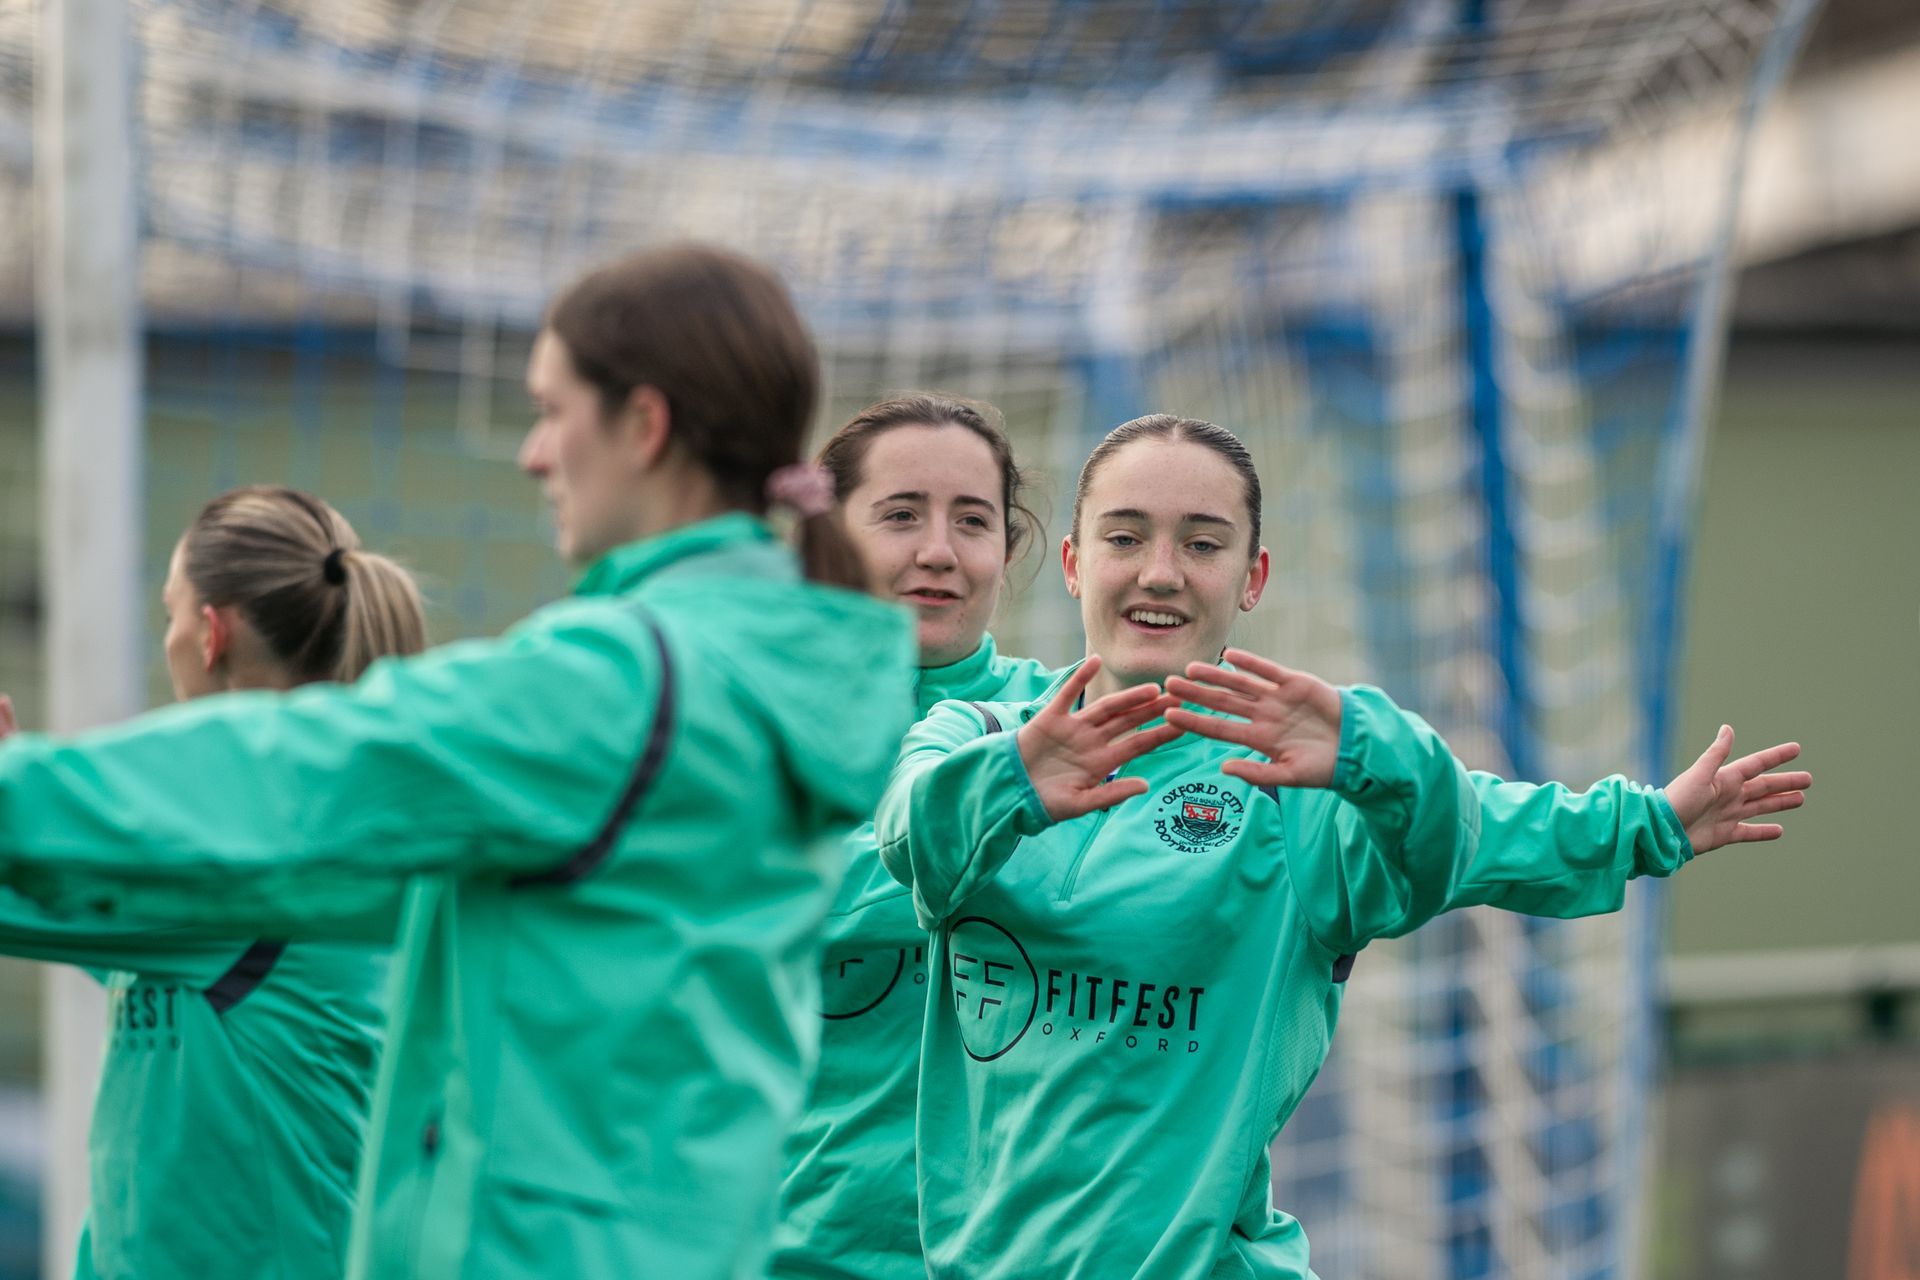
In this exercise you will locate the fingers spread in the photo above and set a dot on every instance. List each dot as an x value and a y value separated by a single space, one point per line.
1201 673
1774 804
1772 758
1717 751
1135 745
1247 660
1261 773
1208 696
1116 725
1108 794
1121 702
1076 684
1235 731
1773 783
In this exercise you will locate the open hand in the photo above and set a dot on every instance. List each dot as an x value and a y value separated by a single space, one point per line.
1714 799
8 725
1070 755
1290 717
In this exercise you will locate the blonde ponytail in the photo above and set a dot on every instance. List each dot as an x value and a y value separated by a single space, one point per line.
384 615
294 569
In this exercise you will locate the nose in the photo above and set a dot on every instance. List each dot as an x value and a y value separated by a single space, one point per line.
532 457
1160 571
935 551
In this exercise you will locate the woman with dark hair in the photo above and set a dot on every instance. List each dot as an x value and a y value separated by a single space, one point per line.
931 496
1143 904
610 835
237 1073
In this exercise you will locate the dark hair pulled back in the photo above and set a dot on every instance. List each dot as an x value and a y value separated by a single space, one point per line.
718 336
1167 426
845 454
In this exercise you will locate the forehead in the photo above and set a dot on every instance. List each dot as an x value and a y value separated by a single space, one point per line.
1172 477
550 366
176 567
925 459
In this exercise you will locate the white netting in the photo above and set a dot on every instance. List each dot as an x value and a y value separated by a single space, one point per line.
1448 265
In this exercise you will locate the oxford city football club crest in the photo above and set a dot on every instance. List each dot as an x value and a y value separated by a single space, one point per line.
1197 815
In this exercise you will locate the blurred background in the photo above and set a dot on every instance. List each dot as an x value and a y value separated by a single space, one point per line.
1579 342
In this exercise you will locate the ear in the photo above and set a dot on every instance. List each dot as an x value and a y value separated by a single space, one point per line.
218 637
1256 580
1070 565
646 423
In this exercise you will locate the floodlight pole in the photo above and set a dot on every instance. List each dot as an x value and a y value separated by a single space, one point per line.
91 450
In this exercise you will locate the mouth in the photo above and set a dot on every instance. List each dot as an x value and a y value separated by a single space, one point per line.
930 597
1154 622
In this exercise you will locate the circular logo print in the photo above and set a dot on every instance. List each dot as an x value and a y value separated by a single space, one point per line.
856 983
995 987
1197 815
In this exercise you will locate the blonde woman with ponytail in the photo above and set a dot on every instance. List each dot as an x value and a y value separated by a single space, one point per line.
238 1071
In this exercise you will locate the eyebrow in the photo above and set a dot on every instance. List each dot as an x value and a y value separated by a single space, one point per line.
920 495
1192 517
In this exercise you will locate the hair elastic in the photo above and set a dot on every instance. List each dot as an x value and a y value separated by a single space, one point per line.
805 488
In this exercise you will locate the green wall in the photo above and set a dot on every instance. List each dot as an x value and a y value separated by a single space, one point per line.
1803 622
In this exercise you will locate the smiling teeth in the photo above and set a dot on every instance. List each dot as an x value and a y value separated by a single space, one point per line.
1153 619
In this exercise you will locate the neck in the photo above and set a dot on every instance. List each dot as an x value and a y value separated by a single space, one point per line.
1111 681
243 674
686 496
661 505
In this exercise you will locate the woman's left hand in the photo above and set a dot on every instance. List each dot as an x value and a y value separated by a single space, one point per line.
1716 800
8 725
1290 717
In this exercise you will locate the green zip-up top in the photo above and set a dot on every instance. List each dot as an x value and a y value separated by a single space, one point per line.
232 1102
847 1202
616 830
1127 1006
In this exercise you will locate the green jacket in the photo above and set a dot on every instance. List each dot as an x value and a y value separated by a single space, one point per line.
1129 1005
611 837
848 1209
232 1101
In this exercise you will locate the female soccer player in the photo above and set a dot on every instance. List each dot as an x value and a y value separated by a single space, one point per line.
1140 932
617 828
235 1086
932 497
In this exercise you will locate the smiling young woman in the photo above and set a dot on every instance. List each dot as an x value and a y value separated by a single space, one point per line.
933 499
1144 903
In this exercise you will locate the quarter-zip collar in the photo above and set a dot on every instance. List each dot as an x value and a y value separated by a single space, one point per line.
627 566
972 677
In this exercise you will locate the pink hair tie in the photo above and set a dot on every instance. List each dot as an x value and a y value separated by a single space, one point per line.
805 488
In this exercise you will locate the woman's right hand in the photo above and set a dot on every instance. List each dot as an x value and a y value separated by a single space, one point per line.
1071 755
8 725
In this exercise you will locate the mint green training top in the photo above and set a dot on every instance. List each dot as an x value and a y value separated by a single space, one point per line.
610 837
848 1208
1127 1006
233 1097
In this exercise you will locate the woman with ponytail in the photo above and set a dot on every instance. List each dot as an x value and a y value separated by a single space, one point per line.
234 1091
930 493
617 828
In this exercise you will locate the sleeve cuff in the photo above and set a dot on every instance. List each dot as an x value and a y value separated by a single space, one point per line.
1671 828
1348 780
1030 818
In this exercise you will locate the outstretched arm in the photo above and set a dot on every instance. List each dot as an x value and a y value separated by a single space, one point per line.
259 810
1549 851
